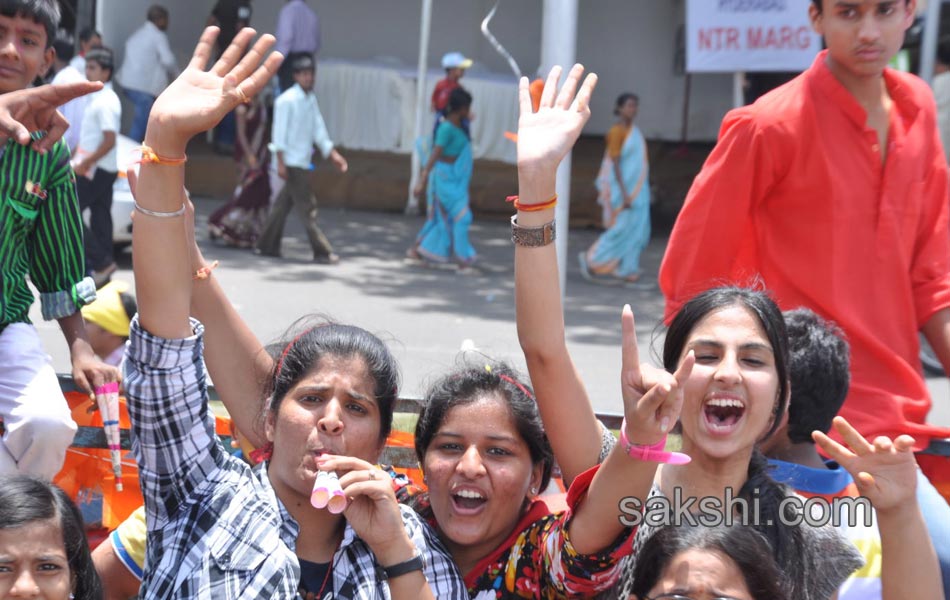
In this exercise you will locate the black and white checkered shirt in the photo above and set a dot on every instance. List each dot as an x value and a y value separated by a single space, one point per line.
215 527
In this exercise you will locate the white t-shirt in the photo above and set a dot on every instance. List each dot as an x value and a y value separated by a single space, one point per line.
75 108
103 113
149 61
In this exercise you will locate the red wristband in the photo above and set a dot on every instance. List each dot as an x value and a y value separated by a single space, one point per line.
652 453
532 207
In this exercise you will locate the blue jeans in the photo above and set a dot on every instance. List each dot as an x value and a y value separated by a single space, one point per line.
936 513
226 130
143 105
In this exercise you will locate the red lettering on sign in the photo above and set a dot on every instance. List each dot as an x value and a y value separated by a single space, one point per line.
783 38
719 38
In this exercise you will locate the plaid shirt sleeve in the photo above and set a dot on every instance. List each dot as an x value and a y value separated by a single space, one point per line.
443 575
172 429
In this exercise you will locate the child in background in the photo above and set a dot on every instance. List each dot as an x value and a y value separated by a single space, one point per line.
108 319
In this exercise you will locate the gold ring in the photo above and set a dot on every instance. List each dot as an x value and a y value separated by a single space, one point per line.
244 98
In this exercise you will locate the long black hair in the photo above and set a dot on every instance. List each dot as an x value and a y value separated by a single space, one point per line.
743 545
25 500
302 352
759 489
467 384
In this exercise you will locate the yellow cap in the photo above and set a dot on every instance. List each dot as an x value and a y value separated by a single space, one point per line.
107 310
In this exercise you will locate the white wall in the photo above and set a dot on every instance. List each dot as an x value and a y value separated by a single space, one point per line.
629 43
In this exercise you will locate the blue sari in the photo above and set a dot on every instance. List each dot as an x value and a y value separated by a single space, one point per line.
617 251
445 234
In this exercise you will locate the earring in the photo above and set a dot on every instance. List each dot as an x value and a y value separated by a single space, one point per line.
534 490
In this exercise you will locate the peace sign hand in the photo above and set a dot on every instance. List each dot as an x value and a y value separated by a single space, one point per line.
652 397
197 100
546 136
885 471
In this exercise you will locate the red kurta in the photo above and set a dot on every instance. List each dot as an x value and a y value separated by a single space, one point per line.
795 193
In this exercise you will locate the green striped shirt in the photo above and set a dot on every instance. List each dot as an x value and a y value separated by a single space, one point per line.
40 234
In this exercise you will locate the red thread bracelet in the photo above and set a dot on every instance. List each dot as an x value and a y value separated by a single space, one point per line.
532 207
149 156
204 272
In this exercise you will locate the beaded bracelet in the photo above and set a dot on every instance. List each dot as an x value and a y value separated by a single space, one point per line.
532 207
652 453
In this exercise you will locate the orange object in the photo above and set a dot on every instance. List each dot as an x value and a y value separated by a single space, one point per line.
87 471
536 88
149 156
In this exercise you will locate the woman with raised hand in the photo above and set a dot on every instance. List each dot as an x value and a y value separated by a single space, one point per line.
482 447
734 396
217 529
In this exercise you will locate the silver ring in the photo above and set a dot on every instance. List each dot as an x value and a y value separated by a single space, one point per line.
372 474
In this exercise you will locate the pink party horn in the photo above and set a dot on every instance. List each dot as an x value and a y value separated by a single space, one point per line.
107 397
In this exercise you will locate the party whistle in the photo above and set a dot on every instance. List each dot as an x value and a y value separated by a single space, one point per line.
327 493
107 397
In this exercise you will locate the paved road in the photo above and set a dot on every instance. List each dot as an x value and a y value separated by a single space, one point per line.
428 314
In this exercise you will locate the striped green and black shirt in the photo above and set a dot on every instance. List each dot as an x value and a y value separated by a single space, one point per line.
40 234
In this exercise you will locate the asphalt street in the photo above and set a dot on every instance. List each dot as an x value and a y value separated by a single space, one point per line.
429 315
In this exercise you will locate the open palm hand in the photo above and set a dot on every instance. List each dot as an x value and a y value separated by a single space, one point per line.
197 100
545 136
885 471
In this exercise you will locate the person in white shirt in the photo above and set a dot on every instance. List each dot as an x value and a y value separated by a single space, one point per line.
96 165
148 67
66 73
89 38
298 127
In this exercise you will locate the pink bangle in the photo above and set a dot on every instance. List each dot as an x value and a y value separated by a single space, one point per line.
653 453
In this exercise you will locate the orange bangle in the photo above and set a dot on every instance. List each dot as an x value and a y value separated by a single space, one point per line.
204 272
149 156
533 207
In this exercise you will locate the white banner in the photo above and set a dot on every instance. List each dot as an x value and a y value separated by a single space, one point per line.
749 35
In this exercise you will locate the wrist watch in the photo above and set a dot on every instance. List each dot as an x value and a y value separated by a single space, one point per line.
532 237
416 563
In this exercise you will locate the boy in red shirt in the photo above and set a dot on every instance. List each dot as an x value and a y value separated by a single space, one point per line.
832 191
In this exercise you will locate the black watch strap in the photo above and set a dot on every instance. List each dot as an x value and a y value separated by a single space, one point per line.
413 564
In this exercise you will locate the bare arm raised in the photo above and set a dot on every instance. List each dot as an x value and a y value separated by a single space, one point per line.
194 102
651 401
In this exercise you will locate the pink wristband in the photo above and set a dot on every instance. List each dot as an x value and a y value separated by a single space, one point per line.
654 453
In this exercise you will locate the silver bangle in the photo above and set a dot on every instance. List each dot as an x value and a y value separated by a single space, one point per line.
160 215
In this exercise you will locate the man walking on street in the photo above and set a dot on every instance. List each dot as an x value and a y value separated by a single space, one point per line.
298 34
298 127
832 190
148 67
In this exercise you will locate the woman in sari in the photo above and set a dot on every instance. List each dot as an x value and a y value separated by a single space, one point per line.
445 179
239 221
624 188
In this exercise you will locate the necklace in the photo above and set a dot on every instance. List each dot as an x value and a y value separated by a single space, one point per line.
319 595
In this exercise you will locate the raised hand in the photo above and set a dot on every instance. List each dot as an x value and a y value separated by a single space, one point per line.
197 100
652 397
34 109
885 471
545 136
